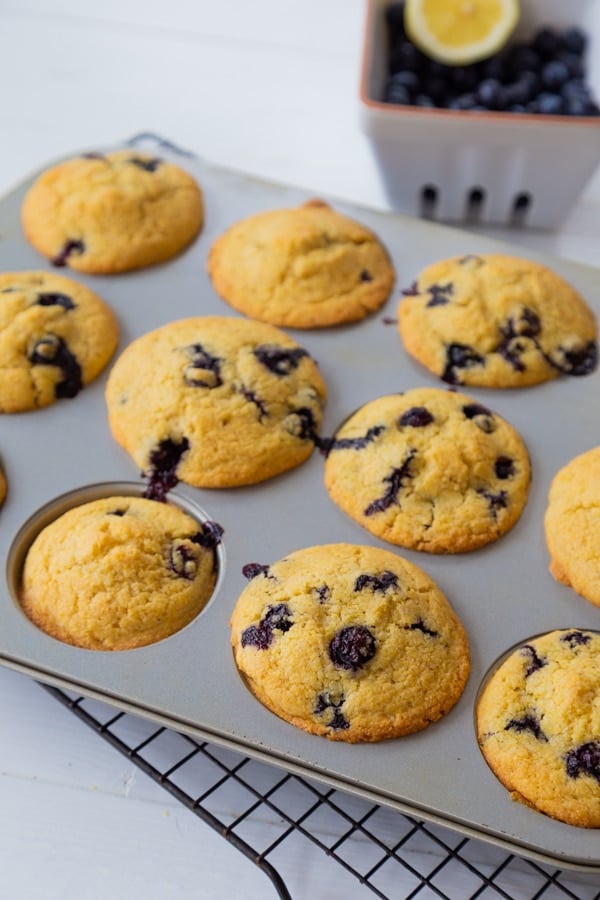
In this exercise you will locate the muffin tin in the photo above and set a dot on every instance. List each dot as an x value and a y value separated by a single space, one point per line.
64 455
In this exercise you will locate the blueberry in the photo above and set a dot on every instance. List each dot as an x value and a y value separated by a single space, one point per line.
495 501
381 582
278 617
436 87
279 360
70 248
575 40
465 78
301 424
395 481
203 370
258 636
252 397
51 350
365 276
522 58
325 702
252 570
52 298
412 291
504 467
535 661
584 760
549 104
576 106
576 638
394 18
481 416
210 536
464 102
420 625
523 89
440 294
405 56
407 79
471 261
415 417
148 165
460 356
397 93
525 323
580 361
495 67
183 561
526 723
546 42
323 593
163 465
352 647
261 636
574 63
554 75
491 94
357 443
425 101
576 87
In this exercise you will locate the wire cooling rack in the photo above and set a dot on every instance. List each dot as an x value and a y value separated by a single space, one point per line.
258 808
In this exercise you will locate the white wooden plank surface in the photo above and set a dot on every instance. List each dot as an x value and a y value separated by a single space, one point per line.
268 87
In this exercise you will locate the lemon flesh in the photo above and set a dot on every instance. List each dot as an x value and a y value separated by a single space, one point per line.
459 32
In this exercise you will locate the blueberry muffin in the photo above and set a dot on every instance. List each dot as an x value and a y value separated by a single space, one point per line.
572 525
104 213
55 337
349 642
497 321
215 402
538 725
430 470
308 267
119 573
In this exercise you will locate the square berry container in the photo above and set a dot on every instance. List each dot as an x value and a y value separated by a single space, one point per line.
482 167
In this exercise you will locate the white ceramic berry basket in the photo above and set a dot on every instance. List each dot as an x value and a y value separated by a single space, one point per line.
519 168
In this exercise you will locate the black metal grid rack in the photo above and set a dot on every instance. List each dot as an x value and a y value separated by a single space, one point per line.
390 854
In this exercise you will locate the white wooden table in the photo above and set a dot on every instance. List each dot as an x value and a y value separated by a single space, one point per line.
268 87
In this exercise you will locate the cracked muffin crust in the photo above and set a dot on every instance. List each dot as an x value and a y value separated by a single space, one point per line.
56 336
349 642
497 321
215 402
572 525
119 573
308 267
108 213
429 469
538 725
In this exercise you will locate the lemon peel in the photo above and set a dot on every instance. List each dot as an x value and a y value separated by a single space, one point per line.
459 32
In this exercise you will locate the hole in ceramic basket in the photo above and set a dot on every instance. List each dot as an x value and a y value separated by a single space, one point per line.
103 568
474 204
521 208
429 200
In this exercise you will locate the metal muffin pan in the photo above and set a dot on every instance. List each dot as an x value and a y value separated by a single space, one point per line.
503 593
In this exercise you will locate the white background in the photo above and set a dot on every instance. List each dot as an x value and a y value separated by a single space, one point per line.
268 87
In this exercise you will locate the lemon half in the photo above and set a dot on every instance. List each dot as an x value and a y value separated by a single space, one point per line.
459 32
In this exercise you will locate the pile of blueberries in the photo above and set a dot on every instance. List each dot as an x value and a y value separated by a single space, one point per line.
545 75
